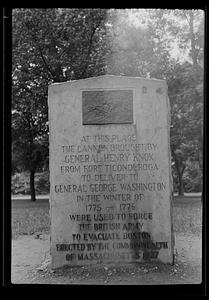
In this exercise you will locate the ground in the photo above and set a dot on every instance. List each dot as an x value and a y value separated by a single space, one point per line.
31 258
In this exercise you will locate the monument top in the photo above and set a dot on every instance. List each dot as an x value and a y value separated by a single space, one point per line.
109 76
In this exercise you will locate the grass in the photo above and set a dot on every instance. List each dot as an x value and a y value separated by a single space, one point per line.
187 218
27 221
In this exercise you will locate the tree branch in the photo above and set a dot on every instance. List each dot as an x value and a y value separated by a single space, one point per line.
58 72
40 50
45 63
90 46
88 52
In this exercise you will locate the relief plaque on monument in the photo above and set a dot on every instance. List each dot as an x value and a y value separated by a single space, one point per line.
107 107
110 173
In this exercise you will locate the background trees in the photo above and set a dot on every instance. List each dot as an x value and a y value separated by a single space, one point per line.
168 44
186 94
49 45
55 45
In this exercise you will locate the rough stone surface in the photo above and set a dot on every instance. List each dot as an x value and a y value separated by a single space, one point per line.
110 177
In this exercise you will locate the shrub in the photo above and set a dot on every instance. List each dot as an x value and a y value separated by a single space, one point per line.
21 183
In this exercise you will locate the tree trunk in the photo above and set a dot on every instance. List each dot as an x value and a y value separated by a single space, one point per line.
180 172
181 186
194 52
32 186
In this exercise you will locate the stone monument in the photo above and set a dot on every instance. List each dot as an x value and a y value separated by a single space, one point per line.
110 172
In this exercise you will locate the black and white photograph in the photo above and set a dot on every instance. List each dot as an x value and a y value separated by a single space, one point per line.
107 138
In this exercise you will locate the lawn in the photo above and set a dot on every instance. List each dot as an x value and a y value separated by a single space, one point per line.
32 218
187 218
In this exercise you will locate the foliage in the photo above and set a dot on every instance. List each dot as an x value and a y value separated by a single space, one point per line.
49 45
188 28
187 120
146 51
140 50
192 178
20 183
62 44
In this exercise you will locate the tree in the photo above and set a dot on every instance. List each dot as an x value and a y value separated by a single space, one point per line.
187 27
186 92
49 45
146 50
187 119
129 46
142 49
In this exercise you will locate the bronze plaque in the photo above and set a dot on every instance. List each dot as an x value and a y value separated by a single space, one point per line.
107 107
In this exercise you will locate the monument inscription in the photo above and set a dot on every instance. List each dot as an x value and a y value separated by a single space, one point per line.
110 181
